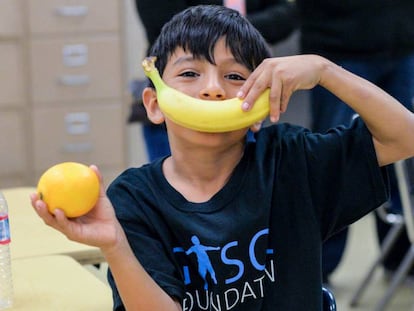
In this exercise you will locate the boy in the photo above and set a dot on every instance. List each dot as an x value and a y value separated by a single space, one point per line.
222 224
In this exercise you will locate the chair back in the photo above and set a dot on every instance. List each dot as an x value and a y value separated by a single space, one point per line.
404 171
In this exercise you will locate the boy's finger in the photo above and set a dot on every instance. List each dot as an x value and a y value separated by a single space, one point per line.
33 198
247 85
43 212
274 100
64 224
285 101
101 185
255 91
244 90
257 126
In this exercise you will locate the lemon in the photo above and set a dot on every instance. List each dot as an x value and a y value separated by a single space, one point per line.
70 186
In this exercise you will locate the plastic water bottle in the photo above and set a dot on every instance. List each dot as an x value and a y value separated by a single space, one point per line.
6 281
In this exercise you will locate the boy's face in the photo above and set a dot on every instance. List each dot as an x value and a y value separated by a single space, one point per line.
201 79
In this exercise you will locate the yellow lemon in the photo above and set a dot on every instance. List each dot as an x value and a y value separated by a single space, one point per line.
70 186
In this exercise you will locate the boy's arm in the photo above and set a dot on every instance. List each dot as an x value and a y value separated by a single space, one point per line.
137 289
390 123
100 228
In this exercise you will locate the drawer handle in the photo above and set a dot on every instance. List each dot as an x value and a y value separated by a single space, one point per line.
74 80
72 11
77 147
78 123
75 55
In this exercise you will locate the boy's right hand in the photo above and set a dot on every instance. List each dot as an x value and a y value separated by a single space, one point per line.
99 227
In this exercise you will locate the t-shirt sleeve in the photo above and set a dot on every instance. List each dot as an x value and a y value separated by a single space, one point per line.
144 238
344 177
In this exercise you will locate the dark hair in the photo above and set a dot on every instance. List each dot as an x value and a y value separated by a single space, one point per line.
197 30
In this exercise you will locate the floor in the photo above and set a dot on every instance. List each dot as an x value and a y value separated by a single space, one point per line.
361 250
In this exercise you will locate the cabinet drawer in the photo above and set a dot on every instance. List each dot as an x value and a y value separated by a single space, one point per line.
68 16
83 68
10 18
11 77
12 143
91 134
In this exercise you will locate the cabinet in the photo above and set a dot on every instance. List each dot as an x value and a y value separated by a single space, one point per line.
62 86
13 96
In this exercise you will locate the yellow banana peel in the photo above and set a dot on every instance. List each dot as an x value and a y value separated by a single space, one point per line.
204 115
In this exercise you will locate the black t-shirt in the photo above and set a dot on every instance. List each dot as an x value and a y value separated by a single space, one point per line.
255 245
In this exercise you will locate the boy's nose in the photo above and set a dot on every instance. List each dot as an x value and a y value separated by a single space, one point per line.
213 93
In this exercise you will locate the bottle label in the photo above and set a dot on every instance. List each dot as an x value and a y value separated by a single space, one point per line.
4 230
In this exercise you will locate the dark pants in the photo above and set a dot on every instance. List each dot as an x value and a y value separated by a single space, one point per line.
156 141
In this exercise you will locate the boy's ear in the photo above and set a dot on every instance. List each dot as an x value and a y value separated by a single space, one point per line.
149 98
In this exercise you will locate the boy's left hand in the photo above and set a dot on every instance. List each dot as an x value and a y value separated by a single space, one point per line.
283 75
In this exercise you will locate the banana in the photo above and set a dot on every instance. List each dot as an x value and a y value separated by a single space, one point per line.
204 115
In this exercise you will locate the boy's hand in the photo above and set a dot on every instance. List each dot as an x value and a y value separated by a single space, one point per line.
283 75
96 228
257 126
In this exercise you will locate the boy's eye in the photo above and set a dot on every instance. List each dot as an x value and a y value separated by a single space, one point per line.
189 74
235 76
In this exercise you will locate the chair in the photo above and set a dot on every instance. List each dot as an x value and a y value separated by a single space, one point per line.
405 176
404 171
328 300
397 225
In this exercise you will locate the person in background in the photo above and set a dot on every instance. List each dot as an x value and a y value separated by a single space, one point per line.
375 40
275 19
226 224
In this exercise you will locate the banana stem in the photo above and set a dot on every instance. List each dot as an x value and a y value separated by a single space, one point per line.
148 64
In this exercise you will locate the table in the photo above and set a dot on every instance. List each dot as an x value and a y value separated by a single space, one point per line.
57 283
30 236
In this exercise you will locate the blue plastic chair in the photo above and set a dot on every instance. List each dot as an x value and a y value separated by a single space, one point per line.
328 300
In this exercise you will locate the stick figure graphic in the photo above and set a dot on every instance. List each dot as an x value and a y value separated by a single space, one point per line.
204 263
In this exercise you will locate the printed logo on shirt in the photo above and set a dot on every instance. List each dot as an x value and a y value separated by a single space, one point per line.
233 289
204 264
